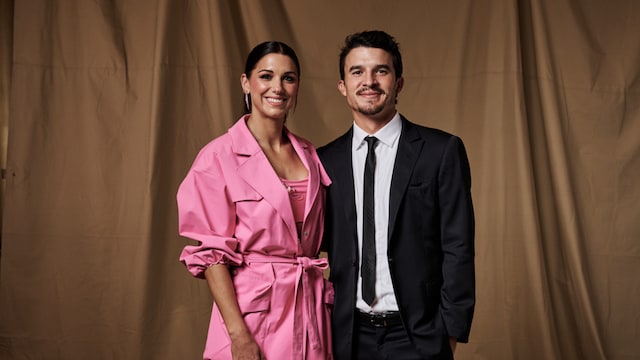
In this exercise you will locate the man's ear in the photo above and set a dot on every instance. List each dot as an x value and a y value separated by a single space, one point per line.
341 88
399 85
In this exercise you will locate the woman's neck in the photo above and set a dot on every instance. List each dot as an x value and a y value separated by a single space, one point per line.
268 132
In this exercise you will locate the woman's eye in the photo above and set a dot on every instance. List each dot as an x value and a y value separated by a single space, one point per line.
289 78
265 77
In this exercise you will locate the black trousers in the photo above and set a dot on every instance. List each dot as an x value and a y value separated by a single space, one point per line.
386 343
383 343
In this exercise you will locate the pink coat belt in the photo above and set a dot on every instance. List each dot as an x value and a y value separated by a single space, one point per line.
305 264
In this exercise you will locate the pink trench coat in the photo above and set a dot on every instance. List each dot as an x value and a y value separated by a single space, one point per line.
235 206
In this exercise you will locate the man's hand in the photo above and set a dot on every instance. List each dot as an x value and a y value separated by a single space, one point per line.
453 342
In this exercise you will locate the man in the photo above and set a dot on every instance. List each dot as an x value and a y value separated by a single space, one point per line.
414 296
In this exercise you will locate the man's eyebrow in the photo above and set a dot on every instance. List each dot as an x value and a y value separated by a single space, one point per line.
380 66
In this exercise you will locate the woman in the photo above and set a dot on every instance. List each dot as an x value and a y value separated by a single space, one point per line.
254 200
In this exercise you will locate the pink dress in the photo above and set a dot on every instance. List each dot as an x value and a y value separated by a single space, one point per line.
239 213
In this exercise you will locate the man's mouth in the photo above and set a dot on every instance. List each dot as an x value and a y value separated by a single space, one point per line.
369 92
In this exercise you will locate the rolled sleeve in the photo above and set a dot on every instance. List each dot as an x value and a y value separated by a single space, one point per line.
206 214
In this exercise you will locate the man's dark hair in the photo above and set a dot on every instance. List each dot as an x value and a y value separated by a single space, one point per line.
373 39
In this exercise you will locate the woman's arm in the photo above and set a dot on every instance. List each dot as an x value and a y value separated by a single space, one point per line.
243 346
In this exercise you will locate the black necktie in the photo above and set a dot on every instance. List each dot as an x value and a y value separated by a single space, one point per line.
368 226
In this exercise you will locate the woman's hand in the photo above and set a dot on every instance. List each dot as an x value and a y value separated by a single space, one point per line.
245 348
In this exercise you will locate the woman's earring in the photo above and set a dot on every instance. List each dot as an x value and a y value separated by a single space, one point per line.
246 101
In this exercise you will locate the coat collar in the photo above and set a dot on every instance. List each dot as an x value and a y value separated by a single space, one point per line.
258 173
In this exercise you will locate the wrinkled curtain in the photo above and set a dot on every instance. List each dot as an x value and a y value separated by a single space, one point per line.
106 103
6 32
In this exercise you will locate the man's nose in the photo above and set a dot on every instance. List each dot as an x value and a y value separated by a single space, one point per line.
371 79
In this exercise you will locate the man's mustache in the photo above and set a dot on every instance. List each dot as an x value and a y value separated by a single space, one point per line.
369 88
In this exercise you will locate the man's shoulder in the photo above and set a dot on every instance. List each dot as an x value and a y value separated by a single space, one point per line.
425 132
337 144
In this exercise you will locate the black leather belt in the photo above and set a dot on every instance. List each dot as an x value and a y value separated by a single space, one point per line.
379 319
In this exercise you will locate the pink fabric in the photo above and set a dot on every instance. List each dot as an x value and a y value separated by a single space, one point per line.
235 206
297 190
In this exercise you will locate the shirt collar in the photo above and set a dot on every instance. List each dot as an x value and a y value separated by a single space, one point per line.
388 135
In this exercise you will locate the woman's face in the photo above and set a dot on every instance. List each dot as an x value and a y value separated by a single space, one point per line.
273 86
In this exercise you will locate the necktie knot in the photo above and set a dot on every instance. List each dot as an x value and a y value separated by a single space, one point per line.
371 141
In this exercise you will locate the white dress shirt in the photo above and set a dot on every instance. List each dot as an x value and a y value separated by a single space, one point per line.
386 150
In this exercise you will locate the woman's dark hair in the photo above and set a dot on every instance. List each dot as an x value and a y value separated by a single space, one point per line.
373 39
261 50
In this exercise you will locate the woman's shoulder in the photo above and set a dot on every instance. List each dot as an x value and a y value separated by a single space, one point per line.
299 138
217 145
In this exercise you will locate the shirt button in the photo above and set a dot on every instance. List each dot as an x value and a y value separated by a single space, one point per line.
305 234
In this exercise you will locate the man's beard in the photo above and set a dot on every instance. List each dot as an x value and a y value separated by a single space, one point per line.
371 110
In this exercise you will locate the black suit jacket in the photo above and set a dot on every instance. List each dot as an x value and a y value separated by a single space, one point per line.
431 239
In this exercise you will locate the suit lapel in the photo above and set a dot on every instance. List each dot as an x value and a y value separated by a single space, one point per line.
343 168
409 146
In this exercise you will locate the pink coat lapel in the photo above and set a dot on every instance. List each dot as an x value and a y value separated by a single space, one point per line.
268 184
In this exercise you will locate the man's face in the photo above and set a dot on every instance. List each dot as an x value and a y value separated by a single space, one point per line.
370 84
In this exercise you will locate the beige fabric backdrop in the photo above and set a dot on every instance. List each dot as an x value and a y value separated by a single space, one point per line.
6 23
109 102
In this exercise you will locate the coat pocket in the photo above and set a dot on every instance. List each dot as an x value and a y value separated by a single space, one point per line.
329 293
253 286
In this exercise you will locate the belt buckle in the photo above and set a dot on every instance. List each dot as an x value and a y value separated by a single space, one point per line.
384 321
379 320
